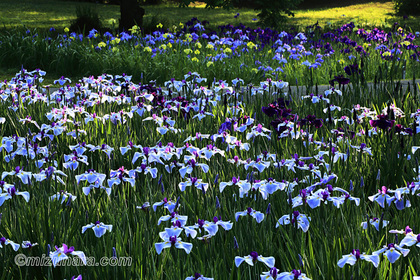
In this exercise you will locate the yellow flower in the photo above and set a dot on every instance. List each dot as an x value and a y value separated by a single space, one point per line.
255 70
187 51
189 37
366 45
269 51
209 63
406 43
196 52
198 45
169 45
135 29
115 49
148 49
386 54
102 45
181 25
195 59
116 41
227 50
163 47
66 29
341 61
160 25
209 46
251 45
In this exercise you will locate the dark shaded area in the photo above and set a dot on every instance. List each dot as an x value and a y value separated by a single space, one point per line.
86 20
118 2
407 7
131 14
319 4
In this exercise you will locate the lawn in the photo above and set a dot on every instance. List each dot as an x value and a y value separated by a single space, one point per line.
44 14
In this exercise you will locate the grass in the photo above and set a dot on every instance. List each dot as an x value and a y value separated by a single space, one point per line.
43 14
377 14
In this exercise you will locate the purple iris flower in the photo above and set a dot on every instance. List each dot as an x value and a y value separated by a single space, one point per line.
382 122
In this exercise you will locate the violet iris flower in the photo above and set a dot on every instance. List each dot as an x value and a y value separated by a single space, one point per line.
298 220
171 238
392 252
253 257
62 254
355 255
98 227
257 215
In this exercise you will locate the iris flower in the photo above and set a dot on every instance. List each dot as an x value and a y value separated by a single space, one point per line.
259 164
210 150
50 172
253 257
193 182
257 215
5 241
144 207
95 180
28 244
167 204
381 197
410 237
392 252
259 130
270 275
244 186
62 254
171 237
98 227
24 176
72 161
293 275
143 168
300 220
188 169
225 225
210 227
198 276
355 255
174 217
63 196
10 191
374 222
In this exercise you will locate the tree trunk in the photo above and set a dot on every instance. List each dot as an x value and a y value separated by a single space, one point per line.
131 14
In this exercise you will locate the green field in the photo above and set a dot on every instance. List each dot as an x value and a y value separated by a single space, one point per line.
44 14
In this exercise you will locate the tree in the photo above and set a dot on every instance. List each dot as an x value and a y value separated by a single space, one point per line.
407 7
271 12
131 14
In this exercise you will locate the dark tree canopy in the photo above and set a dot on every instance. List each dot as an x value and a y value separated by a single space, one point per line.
131 14
271 12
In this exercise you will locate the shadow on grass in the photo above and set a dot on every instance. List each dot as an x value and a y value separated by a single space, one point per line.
328 4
